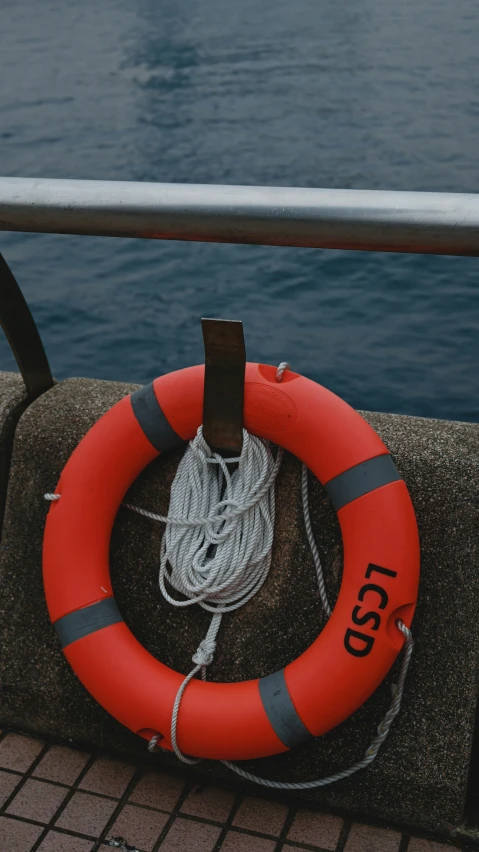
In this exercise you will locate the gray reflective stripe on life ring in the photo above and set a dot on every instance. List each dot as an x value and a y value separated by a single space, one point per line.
281 711
87 620
153 422
360 480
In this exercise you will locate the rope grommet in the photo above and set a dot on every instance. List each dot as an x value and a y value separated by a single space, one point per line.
281 369
153 743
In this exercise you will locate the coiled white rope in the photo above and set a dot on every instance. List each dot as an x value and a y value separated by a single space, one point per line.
216 552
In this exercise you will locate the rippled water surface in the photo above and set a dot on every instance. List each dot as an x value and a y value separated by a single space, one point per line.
363 94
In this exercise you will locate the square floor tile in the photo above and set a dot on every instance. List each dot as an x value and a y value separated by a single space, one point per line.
418 844
61 764
56 842
158 790
139 827
261 815
16 836
8 782
18 752
37 800
367 838
86 814
187 835
316 829
236 842
109 777
209 803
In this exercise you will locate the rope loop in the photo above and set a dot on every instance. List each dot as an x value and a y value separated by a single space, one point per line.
281 369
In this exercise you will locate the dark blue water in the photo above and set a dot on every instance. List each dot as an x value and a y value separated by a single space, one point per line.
362 94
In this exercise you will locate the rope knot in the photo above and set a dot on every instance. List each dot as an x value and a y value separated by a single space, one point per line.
204 653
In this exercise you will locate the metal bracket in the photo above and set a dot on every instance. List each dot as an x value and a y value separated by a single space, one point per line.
22 335
225 364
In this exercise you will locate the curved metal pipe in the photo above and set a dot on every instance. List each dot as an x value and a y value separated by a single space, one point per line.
23 336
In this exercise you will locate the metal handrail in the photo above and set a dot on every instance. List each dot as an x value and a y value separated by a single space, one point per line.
371 220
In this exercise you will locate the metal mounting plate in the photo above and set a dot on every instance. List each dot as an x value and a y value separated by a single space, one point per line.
225 364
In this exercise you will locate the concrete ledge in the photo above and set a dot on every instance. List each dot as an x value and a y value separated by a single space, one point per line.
13 401
420 777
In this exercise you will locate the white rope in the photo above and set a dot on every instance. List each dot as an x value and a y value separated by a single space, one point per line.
372 750
281 369
216 552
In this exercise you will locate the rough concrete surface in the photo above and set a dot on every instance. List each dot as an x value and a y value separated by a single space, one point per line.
13 401
420 776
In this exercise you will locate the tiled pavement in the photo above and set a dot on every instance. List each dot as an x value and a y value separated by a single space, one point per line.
56 799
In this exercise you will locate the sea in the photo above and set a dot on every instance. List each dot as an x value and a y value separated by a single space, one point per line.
363 94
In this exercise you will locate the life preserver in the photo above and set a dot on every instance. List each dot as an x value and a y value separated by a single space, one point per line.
358 645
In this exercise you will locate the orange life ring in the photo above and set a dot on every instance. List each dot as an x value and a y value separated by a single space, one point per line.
358 645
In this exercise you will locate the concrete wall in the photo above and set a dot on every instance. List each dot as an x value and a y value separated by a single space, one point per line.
420 776
13 401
